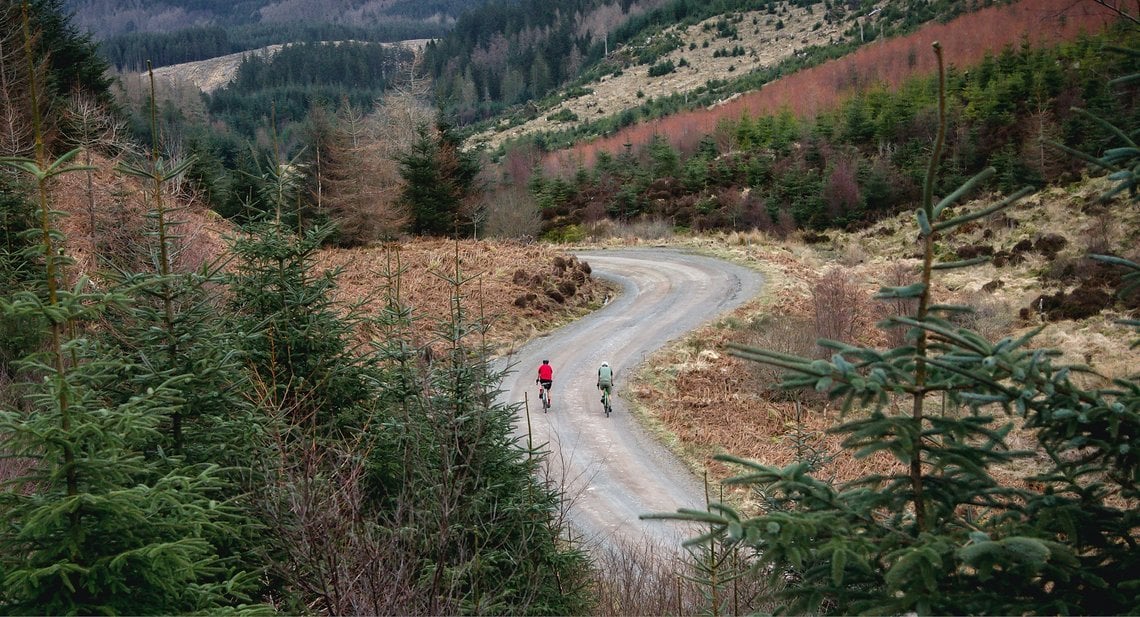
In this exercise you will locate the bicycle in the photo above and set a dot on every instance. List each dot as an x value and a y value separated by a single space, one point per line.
606 401
544 397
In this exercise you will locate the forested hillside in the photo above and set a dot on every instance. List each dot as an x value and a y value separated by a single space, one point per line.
131 33
192 427
508 53
845 144
191 430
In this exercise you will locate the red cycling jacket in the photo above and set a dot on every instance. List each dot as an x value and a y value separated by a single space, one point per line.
546 372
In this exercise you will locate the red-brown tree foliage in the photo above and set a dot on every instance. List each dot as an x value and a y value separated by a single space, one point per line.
965 41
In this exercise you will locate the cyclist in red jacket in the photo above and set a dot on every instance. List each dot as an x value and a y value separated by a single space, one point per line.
545 377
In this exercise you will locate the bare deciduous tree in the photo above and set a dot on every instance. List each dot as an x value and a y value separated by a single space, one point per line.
836 304
360 186
512 213
15 123
93 128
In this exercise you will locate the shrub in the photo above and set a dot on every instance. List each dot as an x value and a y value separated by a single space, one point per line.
563 115
836 303
566 234
662 68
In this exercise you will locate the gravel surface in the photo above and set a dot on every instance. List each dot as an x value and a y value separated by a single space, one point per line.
610 468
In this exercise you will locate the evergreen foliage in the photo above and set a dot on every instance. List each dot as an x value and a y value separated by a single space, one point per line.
18 271
95 525
192 443
945 537
479 524
57 57
301 77
72 57
439 181
131 52
298 348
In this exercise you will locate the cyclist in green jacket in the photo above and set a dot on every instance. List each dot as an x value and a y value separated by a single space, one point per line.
605 380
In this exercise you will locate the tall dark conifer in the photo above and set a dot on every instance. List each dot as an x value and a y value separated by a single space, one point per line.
439 181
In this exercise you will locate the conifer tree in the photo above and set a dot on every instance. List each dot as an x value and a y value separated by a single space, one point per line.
945 536
172 328
360 182
301 351
439 180
479 526
94 526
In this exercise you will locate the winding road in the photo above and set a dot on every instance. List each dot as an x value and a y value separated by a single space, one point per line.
611 469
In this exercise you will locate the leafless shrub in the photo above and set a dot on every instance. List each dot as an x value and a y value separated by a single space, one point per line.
1102 231
644 229
841 188
336 556
991 317
789 335
645 579
852 254
511 213
898 275
836 304
600 228
641 579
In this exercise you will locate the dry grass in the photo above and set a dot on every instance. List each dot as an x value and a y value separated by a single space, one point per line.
519 289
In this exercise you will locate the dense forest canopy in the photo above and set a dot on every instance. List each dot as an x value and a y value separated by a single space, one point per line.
166 33
130 52
108 18
865 160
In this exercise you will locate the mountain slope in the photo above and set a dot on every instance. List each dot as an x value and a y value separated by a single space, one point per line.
704 52
107 18
816 89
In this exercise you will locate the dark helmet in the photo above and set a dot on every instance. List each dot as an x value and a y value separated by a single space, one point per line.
546 361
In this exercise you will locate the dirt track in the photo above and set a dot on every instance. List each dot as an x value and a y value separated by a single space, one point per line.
611 469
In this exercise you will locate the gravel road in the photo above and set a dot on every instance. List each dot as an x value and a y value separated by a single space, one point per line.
610 468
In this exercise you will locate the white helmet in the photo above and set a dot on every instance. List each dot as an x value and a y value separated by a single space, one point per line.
605 363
